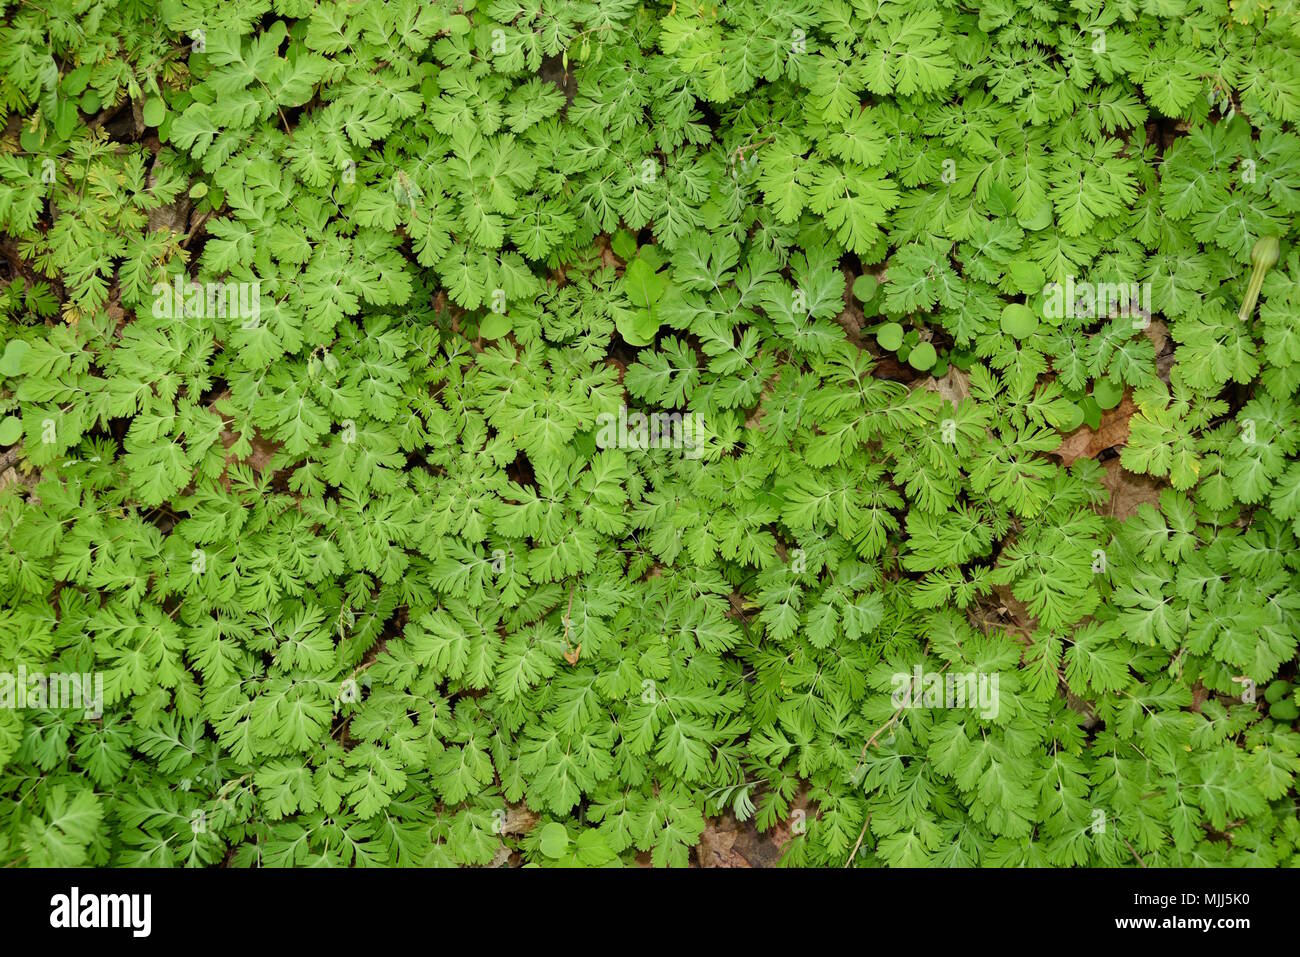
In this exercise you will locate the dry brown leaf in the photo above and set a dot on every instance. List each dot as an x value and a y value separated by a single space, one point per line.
518 820
262 452
618 365
851 318
755 420
607 255
1128 491
1085 443
14 468
727 842
1020 623
1158 333
259 458
717 847
174 216
888 367
115 312
954 386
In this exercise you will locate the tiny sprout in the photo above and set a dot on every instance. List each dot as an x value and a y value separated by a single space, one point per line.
1266 252
1263 257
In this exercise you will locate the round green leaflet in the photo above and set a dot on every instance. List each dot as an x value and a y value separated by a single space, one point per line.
11 430
553 839
154 112
922 357
1019 320
890 336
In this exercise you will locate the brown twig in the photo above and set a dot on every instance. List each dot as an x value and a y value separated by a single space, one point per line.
861 834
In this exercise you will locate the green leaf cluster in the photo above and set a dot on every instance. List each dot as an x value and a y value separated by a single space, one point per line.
366 584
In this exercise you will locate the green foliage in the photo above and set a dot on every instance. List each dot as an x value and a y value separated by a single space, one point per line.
343 533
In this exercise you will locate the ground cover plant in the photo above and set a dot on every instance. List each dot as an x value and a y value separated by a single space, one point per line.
611 433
